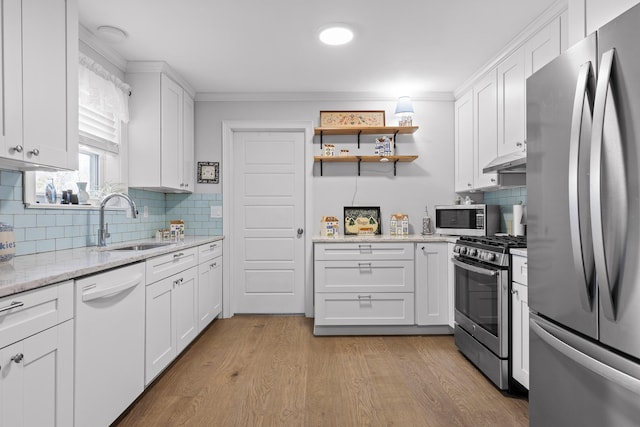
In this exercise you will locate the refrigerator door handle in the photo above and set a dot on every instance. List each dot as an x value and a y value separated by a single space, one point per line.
595 185
578 249
613 375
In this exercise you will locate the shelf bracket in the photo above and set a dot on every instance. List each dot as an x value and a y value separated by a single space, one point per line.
395 135
321 167
359 161
321 132
359 132
394 167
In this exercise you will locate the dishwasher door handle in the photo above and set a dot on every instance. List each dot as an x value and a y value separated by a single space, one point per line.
113 290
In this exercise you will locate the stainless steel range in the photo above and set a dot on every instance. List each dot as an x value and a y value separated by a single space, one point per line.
482 303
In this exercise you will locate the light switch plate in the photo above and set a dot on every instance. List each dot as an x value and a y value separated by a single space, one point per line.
216 211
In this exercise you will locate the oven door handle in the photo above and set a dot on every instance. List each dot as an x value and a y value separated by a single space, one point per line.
473 268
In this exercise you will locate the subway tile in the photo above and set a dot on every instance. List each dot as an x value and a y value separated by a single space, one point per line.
45 246
35 233
25 248
25 221
54 232
45 220
11 178
64 243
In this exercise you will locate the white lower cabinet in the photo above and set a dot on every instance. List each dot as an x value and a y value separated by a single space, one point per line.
171 320
432 278
520 321
374 308
209 291
36 357
364 284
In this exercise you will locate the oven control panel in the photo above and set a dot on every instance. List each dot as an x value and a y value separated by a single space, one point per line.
484 255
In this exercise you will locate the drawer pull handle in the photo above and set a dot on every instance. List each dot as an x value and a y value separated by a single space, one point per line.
18 358
176 256
364 264
14 304
214 265
213 246
366 297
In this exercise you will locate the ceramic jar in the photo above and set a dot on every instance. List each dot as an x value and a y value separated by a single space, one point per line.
7 242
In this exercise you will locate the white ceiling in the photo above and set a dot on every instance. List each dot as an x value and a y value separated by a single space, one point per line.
400 47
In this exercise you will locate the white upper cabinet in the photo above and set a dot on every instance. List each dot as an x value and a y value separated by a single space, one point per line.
485 95
544 46
464 146
161 131
39 91
511 103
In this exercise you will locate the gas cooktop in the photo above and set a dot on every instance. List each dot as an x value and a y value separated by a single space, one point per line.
497 241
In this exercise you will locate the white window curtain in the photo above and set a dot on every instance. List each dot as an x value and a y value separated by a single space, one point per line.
103 105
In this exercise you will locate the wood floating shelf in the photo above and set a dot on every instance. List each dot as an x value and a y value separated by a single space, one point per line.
381 130
365 159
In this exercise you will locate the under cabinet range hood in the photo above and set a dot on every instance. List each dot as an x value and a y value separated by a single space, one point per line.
515 162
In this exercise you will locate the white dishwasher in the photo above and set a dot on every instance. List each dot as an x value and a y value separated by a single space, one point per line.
109 336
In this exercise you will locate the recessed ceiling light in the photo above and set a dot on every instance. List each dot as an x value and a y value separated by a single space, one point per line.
336 35
111 34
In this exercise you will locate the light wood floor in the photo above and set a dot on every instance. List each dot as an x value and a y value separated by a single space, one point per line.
272 371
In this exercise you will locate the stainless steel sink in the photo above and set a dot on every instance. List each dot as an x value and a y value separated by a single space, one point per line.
139 247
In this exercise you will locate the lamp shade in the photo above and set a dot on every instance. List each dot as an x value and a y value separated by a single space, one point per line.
404 107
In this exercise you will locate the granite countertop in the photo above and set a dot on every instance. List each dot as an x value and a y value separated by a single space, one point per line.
29 272
386 238
520 251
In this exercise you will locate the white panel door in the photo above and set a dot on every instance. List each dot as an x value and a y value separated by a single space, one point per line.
268 263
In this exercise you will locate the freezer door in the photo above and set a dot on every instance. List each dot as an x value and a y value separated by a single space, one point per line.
576 382
615 182
561 267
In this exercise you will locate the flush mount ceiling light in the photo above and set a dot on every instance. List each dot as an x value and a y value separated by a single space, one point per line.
336 35
111 34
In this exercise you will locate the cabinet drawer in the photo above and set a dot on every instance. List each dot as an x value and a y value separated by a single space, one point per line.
364 276
364 309
166 265
209 251
35 311
519 272
360 251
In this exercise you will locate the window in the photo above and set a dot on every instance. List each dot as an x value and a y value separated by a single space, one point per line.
102 108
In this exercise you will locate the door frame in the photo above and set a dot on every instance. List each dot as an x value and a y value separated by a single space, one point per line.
229 128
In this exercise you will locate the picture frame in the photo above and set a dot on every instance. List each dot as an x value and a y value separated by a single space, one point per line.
208 172
362 220
349 119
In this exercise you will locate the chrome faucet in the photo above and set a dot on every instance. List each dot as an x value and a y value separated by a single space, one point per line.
103 231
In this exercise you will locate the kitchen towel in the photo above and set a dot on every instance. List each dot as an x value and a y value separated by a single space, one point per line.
518 226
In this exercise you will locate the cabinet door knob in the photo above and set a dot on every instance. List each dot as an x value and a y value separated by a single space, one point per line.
34 152
18 149
300 231
18 358
493 180
514 291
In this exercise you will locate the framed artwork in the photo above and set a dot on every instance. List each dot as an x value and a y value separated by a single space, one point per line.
362 220
370 118
208 172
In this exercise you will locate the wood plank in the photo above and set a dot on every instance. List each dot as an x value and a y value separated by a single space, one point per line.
271 370
383 130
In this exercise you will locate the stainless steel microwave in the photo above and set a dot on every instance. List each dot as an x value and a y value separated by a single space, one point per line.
468 220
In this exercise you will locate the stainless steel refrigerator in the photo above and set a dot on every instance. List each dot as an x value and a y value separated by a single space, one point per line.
583 183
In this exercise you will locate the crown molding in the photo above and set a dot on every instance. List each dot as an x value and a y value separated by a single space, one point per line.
552 12
87 37
315 96
160 67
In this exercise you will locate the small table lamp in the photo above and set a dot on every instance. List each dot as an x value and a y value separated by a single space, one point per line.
404 110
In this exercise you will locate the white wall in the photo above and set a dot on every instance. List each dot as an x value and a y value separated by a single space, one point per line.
429 180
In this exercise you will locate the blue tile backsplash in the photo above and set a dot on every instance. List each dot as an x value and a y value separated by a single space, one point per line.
506 199
44 230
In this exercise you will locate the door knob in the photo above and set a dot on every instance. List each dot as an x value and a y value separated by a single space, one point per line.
18 358
300 231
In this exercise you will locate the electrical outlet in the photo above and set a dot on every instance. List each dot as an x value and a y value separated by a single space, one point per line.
145 212
216 211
